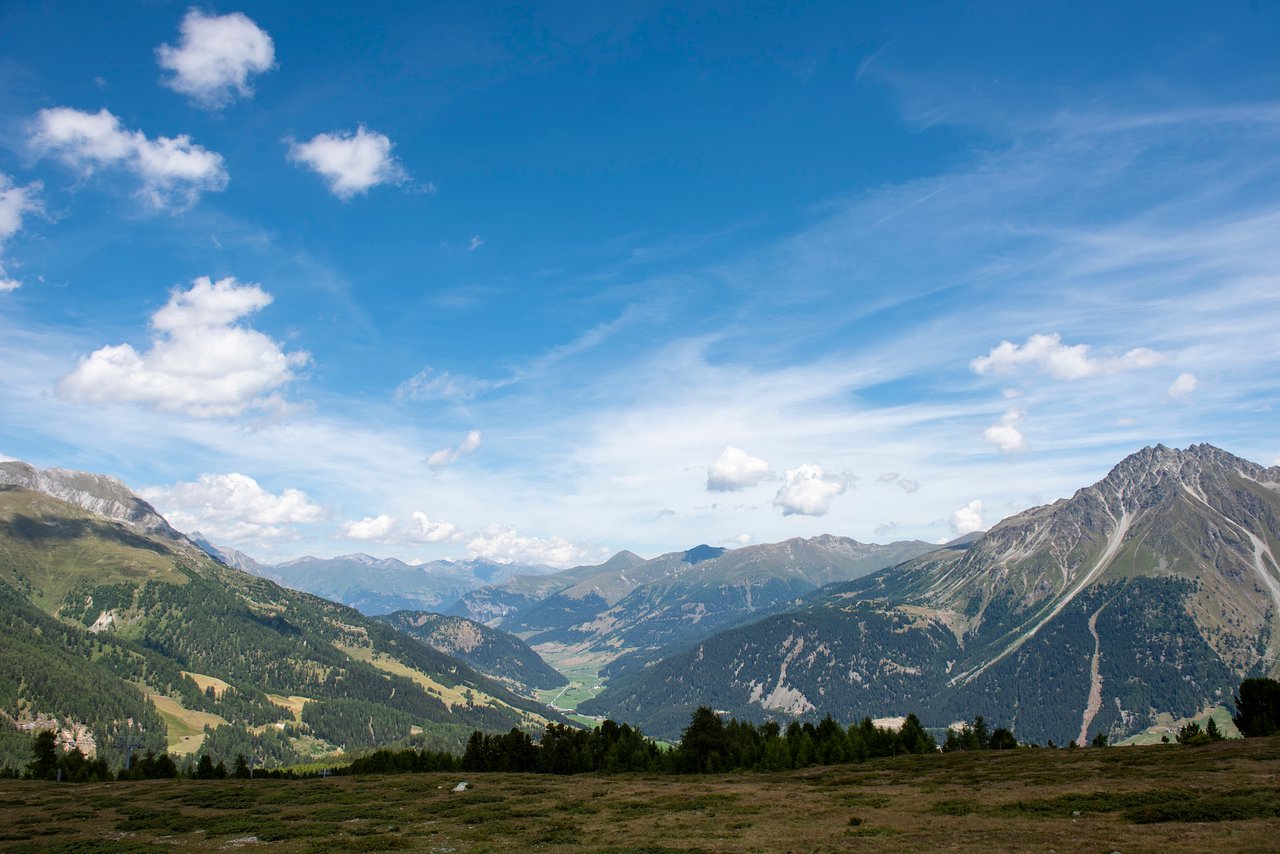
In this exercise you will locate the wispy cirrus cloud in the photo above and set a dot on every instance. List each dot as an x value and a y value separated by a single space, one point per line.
430 384
448 456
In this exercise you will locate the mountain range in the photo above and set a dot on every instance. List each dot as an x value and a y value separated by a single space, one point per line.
1152 592
118 629
374 585
624 613
1145 597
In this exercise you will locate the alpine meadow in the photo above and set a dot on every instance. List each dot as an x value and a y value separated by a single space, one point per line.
639 427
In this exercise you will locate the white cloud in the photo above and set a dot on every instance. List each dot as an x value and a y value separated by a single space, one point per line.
1184 386
215 58
447 456
735 470
1049 355
231 508
15 202
352 162
1006 436
174 170
807 491
423 529
503 544
385 528
428 384
200 362
906 484
968 519
370 528
476 243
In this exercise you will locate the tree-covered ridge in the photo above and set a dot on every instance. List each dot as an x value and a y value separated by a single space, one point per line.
497 654
1152 591
158 613
865 657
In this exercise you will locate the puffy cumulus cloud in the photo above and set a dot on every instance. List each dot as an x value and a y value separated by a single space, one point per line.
174 170
968 519
503 544
447 456
231 508
200 362
421 528
735 470
15 203
1005 435
385 528
906 484
1184 386
808 491
351 162
1049 355
215 58
370 528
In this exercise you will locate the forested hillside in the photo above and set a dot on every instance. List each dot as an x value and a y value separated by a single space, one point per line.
497 654
114 635
1150 593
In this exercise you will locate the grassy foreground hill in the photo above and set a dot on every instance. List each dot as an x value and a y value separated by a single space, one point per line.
1219 797
115 631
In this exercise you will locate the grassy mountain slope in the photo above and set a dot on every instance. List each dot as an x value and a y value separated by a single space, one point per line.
114 611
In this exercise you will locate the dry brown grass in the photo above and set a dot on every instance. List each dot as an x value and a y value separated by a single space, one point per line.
1221 797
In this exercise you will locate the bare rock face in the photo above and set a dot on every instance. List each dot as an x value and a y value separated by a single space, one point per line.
100 494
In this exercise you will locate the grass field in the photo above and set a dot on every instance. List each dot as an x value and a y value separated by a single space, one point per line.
583 676
1220 797
186 727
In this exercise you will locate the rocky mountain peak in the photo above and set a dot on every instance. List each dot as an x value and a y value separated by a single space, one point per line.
1154 474
98 493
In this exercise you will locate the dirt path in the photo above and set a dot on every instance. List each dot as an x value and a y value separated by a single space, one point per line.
1095 682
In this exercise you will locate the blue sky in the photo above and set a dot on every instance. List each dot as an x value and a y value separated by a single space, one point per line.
542 282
